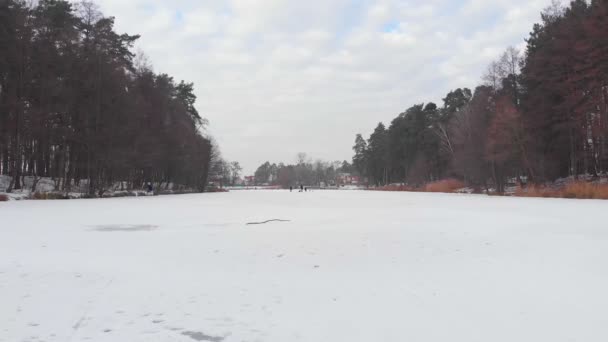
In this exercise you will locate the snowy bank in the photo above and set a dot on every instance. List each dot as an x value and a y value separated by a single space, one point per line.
47 188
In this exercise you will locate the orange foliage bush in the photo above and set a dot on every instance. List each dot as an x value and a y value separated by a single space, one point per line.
4 198
579 190
445 186
536 191
584 190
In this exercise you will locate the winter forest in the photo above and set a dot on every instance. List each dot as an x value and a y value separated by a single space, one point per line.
79 106
540 114
303 172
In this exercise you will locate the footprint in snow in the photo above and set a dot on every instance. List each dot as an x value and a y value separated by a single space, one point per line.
199 336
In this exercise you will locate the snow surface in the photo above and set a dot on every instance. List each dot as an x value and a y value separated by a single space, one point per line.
349 266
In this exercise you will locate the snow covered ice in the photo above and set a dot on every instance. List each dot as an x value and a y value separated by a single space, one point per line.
348 266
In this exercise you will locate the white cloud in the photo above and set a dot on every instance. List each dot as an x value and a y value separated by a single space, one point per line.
277 77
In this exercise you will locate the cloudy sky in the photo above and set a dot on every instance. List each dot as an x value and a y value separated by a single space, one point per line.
278 77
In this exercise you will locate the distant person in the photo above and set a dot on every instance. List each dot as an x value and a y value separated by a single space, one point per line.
301 187
150 188
290 188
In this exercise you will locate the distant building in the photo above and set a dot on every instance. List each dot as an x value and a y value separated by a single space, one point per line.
249 180
348 179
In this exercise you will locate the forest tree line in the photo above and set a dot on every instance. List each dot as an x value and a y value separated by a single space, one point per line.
303 172
77 105
539 115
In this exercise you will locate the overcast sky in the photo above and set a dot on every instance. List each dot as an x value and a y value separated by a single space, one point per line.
278 77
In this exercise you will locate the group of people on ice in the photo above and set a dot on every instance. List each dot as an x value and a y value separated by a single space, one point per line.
302 188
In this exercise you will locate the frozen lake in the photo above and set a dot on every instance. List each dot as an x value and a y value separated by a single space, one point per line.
348 266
